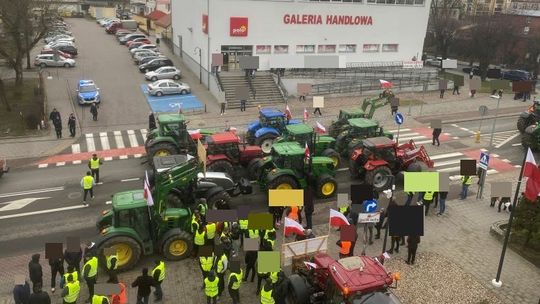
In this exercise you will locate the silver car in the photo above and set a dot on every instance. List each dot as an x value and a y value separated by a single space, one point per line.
166 72
54 60
168 87
140 55
144 47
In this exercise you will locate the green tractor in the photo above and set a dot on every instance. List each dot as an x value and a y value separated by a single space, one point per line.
287 168
356 130
531 137
134 229
319 145
367 110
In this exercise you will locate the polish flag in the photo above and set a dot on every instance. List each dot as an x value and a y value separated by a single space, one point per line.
306 115
310 265
195 134
288 113
531 171
385 84
292 226
147 192
337 219
320 128
307 154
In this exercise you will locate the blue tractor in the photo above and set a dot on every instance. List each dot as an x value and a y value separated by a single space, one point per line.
270 125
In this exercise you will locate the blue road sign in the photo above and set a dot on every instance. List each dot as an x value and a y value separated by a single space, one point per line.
399 118
370 206
172 103
484 160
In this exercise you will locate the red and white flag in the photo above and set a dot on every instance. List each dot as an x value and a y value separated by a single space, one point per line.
288 113
385 84
292 226
147 192
531 171
320 128
195 134
307 153
310 265
306 115
337 219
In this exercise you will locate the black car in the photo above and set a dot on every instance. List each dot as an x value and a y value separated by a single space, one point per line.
155 64
494 73
148 59
67 49
516 75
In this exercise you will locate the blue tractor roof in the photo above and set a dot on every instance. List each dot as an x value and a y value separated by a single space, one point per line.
271 113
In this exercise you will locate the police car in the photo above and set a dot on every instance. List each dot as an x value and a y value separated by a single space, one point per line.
87 92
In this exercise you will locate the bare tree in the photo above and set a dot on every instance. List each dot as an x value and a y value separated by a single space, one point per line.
444 23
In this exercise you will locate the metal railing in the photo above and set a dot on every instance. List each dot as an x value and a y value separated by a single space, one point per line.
367 85
218 79
281 87
250 83
360 73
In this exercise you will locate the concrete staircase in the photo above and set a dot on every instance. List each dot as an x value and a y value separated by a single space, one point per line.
266 93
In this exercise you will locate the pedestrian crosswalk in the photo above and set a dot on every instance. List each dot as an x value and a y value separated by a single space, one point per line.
407 134
104 141
501 138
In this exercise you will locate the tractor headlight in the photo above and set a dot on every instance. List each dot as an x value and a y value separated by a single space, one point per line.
104 231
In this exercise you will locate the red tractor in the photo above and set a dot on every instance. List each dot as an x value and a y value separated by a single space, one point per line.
356 279
380 158
225 152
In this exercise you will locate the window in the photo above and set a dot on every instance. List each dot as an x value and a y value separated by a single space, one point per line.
305 49
281 49
371 48
327 48
347 48
264 49
390 47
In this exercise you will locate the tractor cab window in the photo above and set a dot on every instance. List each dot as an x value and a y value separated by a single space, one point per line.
124 218
386 154
136 219
342 115
232 151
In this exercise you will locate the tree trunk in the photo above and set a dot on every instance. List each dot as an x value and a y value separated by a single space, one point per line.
28 66
3 97
18 71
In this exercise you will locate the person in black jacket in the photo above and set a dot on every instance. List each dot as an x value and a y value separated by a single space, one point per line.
73 259
281 288
35 270
57 266
144 284
413 242
436 133
21 293
39 296
151 121
251 260
308 207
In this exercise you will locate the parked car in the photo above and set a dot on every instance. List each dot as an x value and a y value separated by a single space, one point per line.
516 75
134 45
58 43
106 21
130 37
494 73
166 72
148 59
60 53
144 40
139 57
168 87
87 92
131 25
53 60
53 33
70 49
59 37
111 28
155 64
437 62
143 47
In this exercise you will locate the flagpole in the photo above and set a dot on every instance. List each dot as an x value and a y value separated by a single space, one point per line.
496 282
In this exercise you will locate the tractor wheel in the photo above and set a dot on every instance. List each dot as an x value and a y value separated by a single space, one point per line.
331 153
379 178
253 168
127 249
265 142
178 246
529 141
298 291
283 182
522 124
154 78
326 186
161 149
221 166
220 200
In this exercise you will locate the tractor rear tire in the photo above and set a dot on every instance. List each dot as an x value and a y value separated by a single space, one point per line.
326 186
129 253
331 153
265 142
298 291
253 168
221 200
221 166
379 178
529 141
178 246
161 149
283 182
522 124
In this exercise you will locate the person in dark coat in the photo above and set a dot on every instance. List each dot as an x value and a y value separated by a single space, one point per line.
281 288
93 110
412 242
55 116
39 296
144 283
436 133
35 270
309 207
58 128
72 124
21 293
57 266
380 224
73 259
151 121
251 261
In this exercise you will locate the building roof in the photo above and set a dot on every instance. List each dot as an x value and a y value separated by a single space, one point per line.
155 15
164 21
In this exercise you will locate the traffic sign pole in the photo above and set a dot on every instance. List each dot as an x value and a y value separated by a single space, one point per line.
399 119
397 136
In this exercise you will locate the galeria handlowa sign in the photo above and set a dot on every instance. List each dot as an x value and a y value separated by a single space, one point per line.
329 19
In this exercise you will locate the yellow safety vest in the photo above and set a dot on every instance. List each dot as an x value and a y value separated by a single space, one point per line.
88 182
239 276
266 296
267 232
206 263
73 292
272 242
93 263
243 224
199 238
161 268
74 274
274 277
109 261
202 209
210 230
466 181
428 195
211 287
253 233
99 299
342 210
194 221
94 163
221 264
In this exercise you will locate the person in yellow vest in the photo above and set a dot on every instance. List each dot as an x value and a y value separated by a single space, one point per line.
253 233
70 271
235 280
159 275
243 225
466 181
273 277
90 270
88 183
427 198
344 248
211 288
112 261
261 276
100 300
93 165
199 239
222 263
71 291
210 232
206 264
195 220
267 296
202 206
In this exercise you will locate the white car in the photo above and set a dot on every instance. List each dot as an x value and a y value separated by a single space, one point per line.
46 60
144 47
168 87
166 72
143 54
104 22
59 37
58 43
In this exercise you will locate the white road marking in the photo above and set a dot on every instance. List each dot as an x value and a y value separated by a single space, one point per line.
445 163
76 162
449 169
108 202
137 155
144 134
132 139
495 155
506 160
108 158
90 145
104 141
400 130
343 169
119 140
123 157
130 179
75 148
60 164
20 203
515 145
43 166
446 155
41 212
507 140
27 192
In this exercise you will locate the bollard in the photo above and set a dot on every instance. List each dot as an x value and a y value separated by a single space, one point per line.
477 136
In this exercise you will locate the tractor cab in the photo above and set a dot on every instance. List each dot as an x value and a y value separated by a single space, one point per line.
300 133
226 143
363 127
272 118
380 148
169 125
346 114
288 155
319 145
270 125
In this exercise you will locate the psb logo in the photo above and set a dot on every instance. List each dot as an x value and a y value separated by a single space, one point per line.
240 30
239 26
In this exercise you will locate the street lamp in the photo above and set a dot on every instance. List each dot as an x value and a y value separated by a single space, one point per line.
200 62
497 96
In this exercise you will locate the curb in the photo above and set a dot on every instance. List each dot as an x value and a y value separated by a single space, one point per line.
479 117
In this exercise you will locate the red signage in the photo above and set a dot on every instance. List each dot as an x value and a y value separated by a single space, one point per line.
205 24
239 26
328 19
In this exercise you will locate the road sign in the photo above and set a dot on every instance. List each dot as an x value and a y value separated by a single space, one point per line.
369 218
484 160
370 206
483 110
399 118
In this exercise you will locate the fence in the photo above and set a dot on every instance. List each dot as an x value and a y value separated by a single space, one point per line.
362 86
356 73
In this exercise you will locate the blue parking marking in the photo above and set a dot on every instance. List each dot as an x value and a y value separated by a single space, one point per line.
171 103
